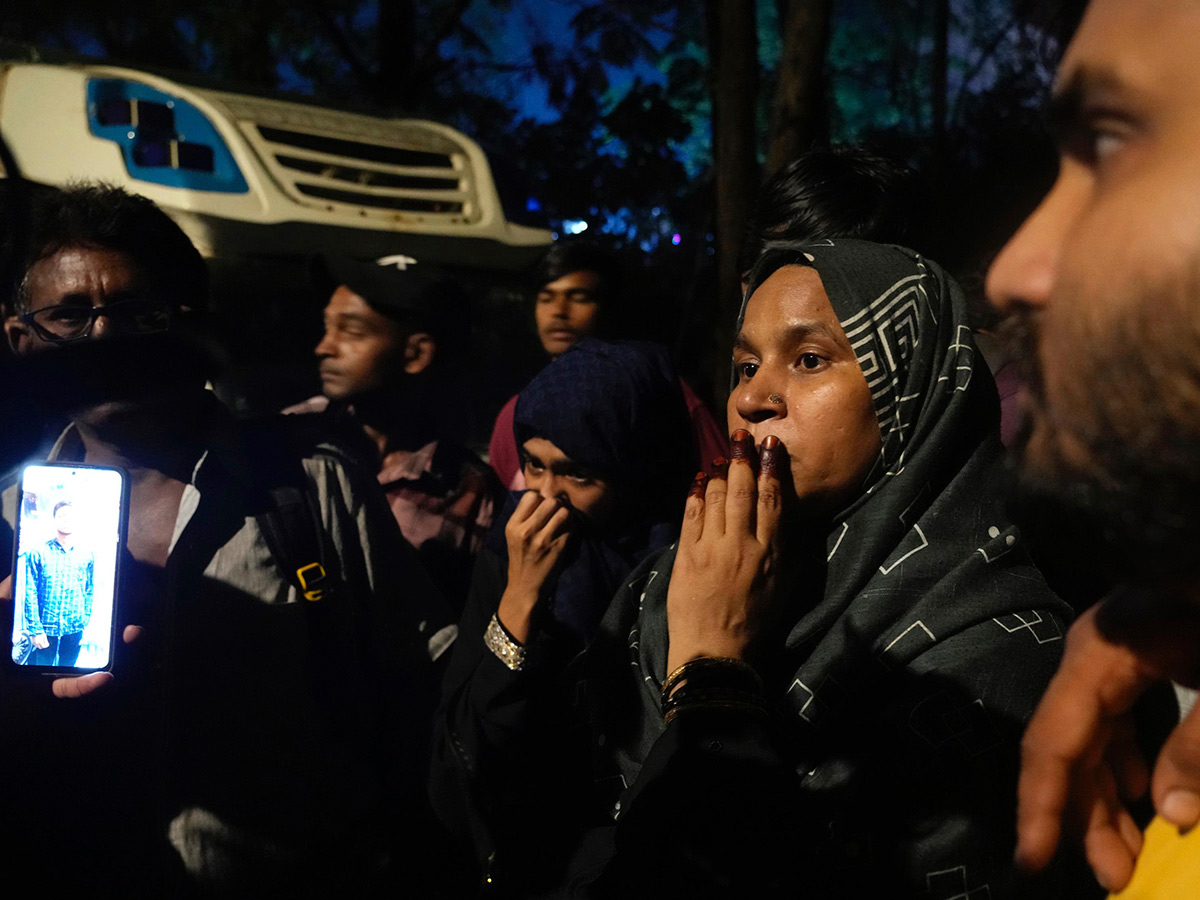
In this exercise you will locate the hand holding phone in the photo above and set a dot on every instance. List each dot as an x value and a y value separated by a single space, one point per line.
72 687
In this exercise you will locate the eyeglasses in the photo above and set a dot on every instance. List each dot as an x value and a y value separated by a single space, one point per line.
61 324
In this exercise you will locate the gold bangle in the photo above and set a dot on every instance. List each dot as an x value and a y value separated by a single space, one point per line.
709 663
503 645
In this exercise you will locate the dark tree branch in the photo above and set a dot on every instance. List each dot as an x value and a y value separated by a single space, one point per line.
796 105
396 44
445 27
480 65
986 54
341 42
938 86
430 59
733 55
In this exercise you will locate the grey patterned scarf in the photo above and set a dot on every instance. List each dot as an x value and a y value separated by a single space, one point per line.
923 554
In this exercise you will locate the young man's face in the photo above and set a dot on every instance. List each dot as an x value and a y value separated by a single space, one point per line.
64 520
567 310
1106 275
361 351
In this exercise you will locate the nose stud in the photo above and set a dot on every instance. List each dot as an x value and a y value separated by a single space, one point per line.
774 398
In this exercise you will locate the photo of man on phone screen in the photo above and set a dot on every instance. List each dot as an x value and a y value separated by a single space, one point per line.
59 580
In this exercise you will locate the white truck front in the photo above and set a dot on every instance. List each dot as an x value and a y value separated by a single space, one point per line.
225 164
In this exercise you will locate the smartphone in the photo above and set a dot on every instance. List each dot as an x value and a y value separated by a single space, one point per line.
71 525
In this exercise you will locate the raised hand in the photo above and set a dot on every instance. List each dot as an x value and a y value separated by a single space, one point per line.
719 593
536 535
1079 759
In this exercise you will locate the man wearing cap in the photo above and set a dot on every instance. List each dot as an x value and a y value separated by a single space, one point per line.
387 329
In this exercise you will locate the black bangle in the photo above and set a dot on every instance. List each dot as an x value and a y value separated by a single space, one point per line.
683 701
713 683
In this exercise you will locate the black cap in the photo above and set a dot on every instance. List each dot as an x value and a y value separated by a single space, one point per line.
400 287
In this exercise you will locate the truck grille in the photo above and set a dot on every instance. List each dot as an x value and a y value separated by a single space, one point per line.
395 156
388 173
408 204
366 177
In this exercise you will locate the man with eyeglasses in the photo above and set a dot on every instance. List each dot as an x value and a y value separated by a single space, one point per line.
68 322
259 737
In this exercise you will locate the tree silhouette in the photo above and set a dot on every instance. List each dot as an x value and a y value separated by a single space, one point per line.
660 116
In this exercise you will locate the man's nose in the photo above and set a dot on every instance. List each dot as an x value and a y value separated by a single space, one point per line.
106 325
325 346
1025 272
102 326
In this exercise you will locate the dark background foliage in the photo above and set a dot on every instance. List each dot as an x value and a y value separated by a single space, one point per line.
646 123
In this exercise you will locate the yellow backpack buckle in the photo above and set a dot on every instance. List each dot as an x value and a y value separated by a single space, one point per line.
311 578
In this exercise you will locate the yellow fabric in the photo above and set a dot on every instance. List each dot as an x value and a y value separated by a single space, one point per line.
1168 867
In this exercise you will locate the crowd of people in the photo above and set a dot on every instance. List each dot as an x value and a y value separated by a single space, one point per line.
824 648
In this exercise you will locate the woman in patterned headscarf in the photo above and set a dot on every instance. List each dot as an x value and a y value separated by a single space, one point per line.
860 630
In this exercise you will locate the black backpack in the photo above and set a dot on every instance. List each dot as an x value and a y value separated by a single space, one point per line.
290 520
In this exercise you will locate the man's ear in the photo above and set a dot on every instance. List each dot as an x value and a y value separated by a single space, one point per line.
17 334
419 351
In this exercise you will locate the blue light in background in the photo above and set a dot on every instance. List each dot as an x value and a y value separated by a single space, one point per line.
574 226
675 239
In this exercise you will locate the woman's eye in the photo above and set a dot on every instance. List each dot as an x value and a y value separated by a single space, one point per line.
531 466
746 370
582 480
810 361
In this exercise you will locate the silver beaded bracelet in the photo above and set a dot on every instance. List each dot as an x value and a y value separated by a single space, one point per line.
501 643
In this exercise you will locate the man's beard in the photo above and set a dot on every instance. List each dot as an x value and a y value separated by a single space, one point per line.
1128 509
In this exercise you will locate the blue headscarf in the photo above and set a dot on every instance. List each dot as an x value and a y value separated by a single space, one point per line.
618 409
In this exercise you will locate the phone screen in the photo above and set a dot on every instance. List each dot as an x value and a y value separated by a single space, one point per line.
70 529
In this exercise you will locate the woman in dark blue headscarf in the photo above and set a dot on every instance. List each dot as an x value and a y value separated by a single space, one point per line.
603 438
606 451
